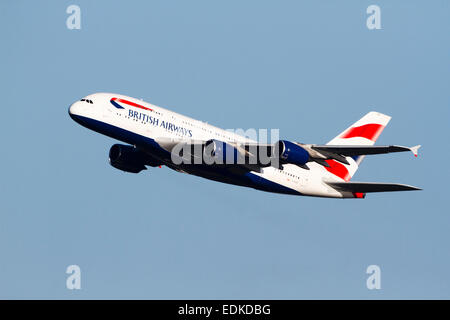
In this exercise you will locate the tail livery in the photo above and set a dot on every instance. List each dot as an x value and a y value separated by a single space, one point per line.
352 142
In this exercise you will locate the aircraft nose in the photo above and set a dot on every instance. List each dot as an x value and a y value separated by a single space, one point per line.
76 111
74 108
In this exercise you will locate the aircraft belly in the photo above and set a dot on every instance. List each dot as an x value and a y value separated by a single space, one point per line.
225 175
237 176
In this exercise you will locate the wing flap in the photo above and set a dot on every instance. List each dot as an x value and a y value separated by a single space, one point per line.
365 187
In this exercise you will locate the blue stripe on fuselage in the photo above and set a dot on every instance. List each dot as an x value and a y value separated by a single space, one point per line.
115 104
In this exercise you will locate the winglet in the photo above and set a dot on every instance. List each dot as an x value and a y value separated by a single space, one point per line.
415 149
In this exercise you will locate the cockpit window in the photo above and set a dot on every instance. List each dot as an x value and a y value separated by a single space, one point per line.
87 100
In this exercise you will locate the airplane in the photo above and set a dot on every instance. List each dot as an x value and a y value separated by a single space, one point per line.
156 136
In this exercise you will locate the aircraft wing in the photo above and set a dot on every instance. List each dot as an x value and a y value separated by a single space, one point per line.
316 153
365 187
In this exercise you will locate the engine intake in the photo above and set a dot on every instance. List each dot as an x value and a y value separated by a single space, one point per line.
128 158
290 152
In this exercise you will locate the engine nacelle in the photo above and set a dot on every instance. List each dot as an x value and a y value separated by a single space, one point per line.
127 158
292 153
220 152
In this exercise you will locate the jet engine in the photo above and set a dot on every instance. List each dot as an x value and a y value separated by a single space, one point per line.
129 158
220 152
290 152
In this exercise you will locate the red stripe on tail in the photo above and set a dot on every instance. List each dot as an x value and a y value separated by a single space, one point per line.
338 169
369 131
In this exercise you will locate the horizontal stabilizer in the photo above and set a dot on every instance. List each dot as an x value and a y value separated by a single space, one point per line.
364 187
415 149
363 150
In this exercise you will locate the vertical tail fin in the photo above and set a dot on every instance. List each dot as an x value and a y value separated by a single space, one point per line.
363 132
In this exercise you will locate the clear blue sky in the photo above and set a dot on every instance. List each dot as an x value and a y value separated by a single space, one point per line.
309 68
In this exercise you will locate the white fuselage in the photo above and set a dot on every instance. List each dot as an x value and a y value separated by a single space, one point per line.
143 119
